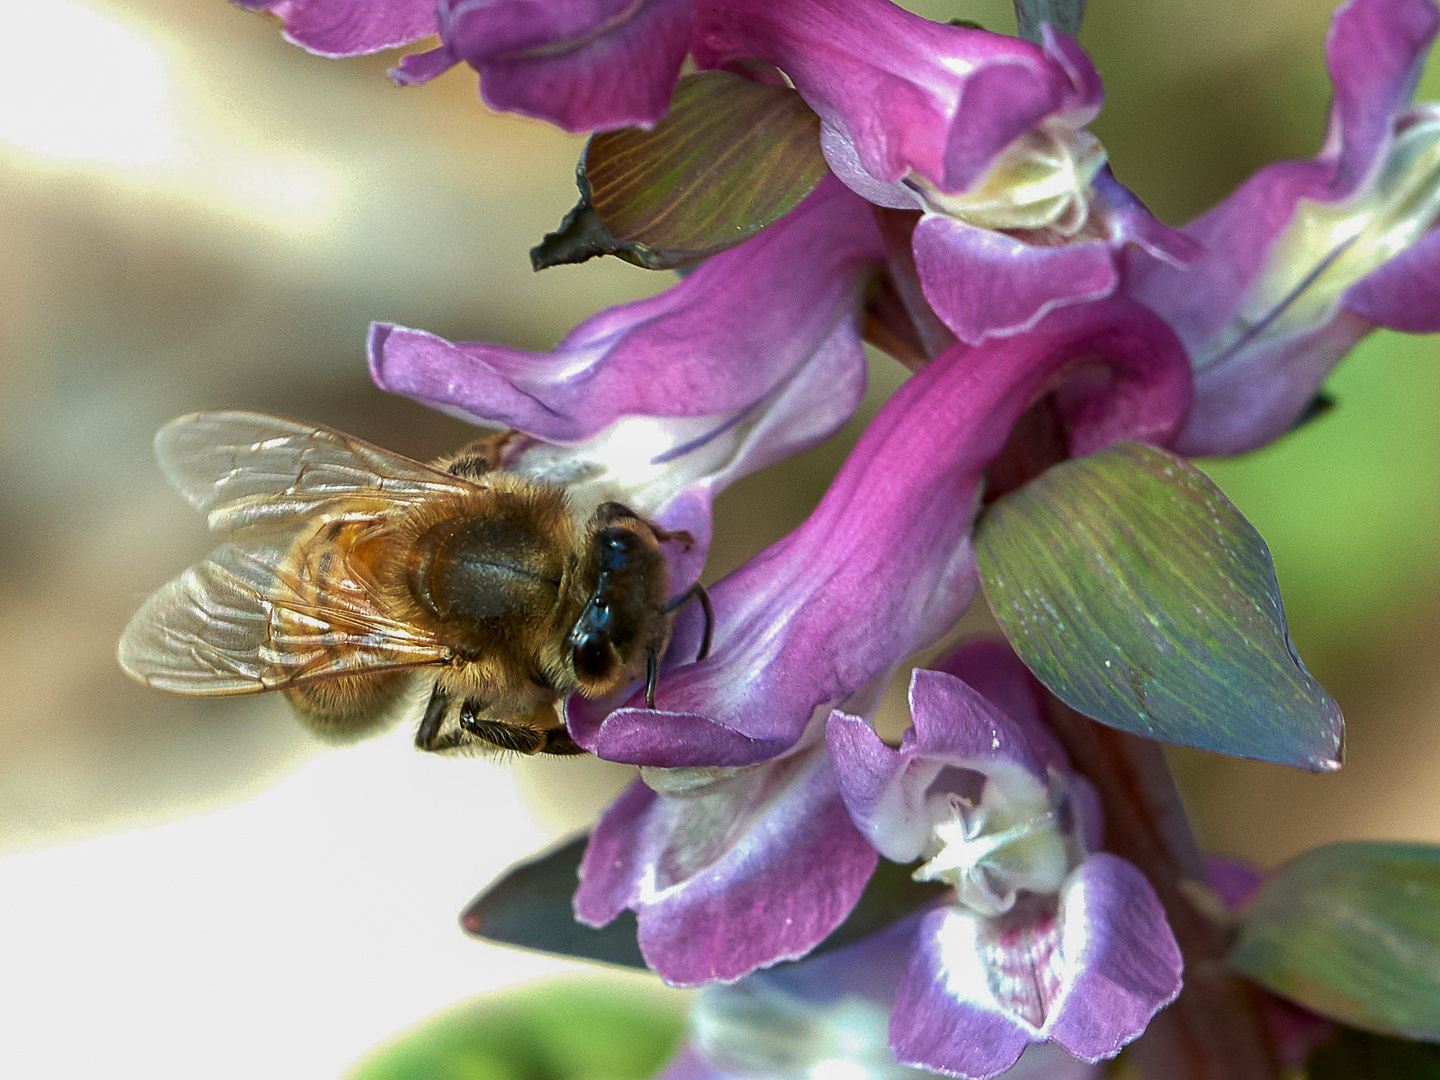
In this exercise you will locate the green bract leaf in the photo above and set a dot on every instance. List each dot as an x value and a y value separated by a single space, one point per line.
529 906
575 1030
729 158
1140 596
1352 931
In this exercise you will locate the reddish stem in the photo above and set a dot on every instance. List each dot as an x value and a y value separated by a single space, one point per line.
1215 1030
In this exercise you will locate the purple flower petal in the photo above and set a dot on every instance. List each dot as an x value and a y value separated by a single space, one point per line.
688 1065
422 67
982 282
870 773
955 723
1088 975
586 65
349 27
1233 880
908 93
1235 236
1239 407
734 872
884 564
1124 219
718 341
992 670
1121 962
1404 293
1375 51
919 115
753 357
948 1016
885 789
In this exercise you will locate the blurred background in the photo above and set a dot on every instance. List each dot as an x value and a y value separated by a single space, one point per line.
195 214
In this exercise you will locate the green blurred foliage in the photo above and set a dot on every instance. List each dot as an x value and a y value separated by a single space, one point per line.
1350 504
578 1029
1358 1055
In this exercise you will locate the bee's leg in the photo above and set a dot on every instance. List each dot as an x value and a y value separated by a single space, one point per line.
428 736
558 741
499 734
474 460
652 676
697 592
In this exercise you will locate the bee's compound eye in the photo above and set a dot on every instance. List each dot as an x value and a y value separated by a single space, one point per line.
593 657
614 547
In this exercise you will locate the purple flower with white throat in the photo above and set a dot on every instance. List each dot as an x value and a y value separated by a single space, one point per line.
736 851
350 27
585 65
884 565
1046 938
1307 257
983 134
661 403
728 869
824 1018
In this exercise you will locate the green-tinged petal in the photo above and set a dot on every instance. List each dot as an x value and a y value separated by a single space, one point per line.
581 1029
731 157
1140 596
1352 931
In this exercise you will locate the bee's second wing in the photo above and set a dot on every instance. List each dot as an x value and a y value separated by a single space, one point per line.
240 623
248 469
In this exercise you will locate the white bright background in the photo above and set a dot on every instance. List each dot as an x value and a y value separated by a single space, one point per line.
281 937
195 214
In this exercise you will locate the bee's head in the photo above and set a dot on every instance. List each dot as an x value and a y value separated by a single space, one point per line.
624 617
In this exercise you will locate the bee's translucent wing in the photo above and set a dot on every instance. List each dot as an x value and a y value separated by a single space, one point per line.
248 469
243 621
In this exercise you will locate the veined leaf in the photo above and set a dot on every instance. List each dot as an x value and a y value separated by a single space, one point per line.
729 158
1352 931
1140 596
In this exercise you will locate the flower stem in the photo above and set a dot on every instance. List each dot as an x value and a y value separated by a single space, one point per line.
1215 1030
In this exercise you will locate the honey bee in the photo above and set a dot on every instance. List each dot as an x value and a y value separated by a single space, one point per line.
351 576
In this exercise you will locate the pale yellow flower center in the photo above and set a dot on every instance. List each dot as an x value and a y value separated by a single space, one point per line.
1040 181
1011 842
1329 246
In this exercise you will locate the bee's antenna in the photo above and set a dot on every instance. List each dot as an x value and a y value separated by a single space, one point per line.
697 592
652 677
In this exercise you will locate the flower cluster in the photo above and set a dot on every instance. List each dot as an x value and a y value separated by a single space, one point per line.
968 219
